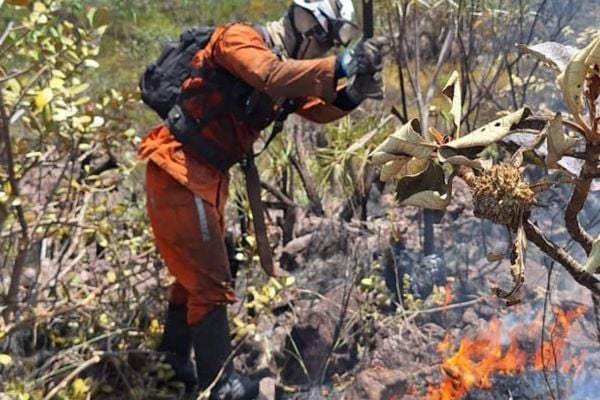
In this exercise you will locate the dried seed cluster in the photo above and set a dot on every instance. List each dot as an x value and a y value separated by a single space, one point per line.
500 195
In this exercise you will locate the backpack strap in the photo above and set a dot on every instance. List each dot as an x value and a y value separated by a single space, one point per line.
285 109
185 130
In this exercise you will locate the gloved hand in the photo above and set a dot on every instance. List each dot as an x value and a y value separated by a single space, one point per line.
364 58
362 87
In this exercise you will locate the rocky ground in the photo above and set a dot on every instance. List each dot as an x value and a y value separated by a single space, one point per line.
345 335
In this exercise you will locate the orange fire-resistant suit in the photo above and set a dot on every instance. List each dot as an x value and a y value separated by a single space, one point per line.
186 195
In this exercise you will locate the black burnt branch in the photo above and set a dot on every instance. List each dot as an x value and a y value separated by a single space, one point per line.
537 237
576 203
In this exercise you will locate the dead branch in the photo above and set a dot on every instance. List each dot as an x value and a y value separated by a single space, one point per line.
6 32
537 237
82 367
362 142
278 194
576 203
13 291
300 164
63 308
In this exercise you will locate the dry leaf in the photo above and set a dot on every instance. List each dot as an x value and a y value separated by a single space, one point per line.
558 142
554 55
517 270
572 78
403 167
428 189
452 92
406 141
463 151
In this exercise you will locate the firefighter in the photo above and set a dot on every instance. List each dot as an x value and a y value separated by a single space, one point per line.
187 187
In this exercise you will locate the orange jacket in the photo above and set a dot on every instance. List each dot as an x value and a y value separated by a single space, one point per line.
242 51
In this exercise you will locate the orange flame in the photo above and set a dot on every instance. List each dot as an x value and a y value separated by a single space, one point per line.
559 330
448 296
477 359
444 345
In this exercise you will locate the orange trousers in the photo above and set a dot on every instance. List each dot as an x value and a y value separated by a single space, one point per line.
189 233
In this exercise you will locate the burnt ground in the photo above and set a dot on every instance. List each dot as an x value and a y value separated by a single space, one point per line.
343 333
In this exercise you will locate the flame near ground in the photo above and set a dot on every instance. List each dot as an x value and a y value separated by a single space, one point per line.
477 360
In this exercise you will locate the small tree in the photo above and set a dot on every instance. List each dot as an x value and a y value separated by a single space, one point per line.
477 38
565 146
58 147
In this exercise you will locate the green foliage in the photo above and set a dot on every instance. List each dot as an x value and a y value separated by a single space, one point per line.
333 165
71 224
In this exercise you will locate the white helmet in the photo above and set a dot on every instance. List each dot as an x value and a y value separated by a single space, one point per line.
335 17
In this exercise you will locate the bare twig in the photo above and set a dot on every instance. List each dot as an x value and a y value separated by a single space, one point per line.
596 300
542 352
13 291
349 286
537 237
25 90
366 138
82 367
299 163
279 195
60 309
6 32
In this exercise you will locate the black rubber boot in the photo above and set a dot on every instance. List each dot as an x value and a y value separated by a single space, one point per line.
212 346
176 343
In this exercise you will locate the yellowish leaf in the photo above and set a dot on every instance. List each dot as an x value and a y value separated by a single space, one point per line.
111 276
289 281
430 199
56 83
91 63
43 97
39 7
97 122
75 90
80 387
5 359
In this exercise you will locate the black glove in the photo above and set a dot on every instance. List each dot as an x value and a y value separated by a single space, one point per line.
362 87
365 58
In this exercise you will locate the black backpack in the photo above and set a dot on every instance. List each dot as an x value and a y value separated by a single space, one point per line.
161 81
